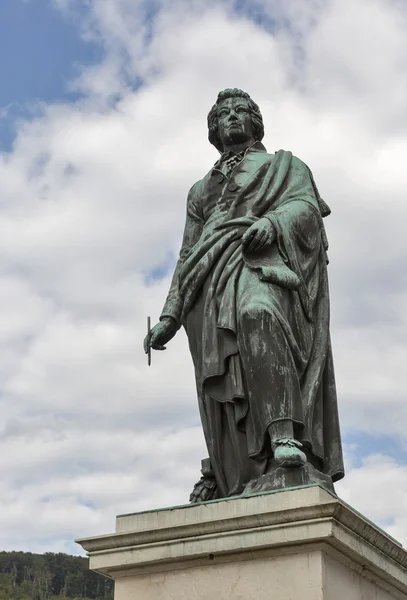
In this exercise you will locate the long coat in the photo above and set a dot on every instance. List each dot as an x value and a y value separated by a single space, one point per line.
258 325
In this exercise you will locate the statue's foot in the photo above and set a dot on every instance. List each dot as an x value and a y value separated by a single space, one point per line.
288 453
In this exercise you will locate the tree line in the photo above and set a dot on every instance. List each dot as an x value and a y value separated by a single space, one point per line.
28 576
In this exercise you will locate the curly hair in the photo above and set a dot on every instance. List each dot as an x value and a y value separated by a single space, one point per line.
255 114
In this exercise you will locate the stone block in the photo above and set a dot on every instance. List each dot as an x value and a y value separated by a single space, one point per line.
298 543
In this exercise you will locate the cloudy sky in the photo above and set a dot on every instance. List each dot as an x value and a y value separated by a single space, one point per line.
103 110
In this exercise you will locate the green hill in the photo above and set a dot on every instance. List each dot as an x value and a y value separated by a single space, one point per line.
49 576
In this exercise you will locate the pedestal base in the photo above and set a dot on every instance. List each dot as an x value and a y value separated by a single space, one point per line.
299 543
282 478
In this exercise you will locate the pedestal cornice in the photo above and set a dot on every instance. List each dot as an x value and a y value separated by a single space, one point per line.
261 525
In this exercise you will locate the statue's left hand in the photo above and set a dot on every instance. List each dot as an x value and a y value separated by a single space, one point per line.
260 234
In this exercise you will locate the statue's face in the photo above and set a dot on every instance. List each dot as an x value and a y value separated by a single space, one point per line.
234 121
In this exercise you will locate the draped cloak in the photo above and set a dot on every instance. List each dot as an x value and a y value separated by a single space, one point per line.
258 324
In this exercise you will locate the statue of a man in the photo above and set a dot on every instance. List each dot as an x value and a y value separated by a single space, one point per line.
251 290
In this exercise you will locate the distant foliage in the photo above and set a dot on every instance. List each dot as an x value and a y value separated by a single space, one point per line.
27 576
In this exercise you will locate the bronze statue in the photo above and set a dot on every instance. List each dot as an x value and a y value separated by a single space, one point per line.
251 290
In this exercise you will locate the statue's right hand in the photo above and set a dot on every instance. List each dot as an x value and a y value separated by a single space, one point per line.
161 333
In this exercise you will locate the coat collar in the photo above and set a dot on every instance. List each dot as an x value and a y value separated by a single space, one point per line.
254 147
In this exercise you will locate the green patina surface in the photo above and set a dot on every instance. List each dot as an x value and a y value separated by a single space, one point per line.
251 290
216 501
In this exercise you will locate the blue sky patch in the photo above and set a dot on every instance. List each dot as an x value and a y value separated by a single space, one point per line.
41 53
161 270
365 444
256 12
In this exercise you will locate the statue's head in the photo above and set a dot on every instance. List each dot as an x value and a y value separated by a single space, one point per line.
234 119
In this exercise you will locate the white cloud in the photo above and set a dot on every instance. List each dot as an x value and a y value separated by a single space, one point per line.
93 198
383 479
62 479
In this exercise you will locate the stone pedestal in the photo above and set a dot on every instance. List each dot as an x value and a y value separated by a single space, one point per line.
301 543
